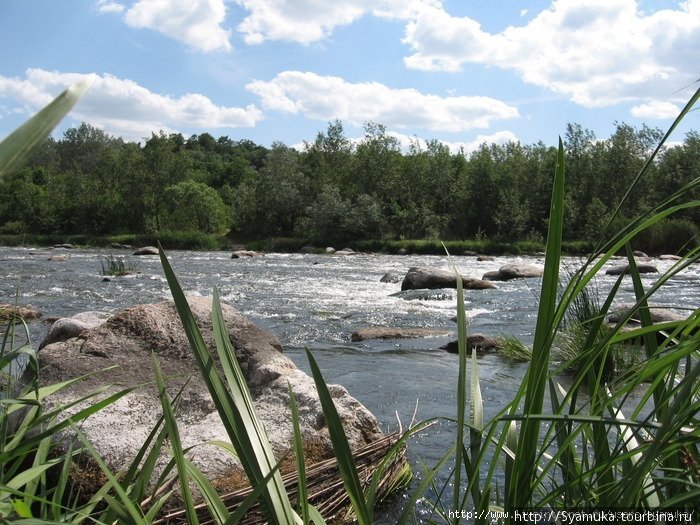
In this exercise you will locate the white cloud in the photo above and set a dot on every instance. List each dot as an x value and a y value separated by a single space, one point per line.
658 109
123 108
307 21
108 6
197 23
327 98
596 52
500 137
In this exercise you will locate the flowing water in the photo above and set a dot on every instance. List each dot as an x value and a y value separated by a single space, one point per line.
317 301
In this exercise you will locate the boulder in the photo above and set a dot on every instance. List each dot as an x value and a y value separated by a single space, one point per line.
430 278
669 257
638 253
308 248
64 246
482 258
240 254
387 332
330 250
481 342
642 268
147 250
392 276
57 258
26 312
118 246
658 314
68 327
346 251
514 271
126 342
401 251
425 294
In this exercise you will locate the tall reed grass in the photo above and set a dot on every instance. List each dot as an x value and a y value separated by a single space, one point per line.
628 442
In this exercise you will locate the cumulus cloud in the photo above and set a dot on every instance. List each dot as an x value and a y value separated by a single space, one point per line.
307 21
327 98
197 23
596 52
124 108
659 109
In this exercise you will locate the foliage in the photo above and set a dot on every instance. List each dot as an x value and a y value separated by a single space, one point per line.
669 236
115 266
513 349
333 190
194 206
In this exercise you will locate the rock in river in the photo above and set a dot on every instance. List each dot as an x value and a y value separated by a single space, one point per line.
12 311
126 342
147 250
392 276
240 254
430 278
481 342
387 332
514 271
642 268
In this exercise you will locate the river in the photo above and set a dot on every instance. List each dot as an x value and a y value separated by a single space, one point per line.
317 301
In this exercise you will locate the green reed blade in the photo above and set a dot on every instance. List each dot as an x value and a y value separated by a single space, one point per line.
16 148
341 448
175 444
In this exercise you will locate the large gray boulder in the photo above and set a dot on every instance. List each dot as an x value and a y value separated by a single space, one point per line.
514 271
68 327
431 278
658 314
126 342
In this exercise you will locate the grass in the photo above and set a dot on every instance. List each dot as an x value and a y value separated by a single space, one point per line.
511 348
116 267
630 442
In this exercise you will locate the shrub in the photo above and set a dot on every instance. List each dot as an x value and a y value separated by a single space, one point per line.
668 236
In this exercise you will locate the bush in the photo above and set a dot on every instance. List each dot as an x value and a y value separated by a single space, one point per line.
668 236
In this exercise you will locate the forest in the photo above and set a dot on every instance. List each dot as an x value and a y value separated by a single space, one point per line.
338 191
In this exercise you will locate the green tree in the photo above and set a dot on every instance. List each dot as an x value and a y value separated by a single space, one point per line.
191 205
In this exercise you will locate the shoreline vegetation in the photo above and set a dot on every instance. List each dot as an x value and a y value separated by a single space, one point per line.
202 192
197 241
628 443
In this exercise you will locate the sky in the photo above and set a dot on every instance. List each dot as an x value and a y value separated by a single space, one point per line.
459 71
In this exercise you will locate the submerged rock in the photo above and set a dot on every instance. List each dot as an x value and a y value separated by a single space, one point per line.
147 250
514 271
392 276
240 254
126 342
431 278
438 294
481 342
658 314
387 332
642 268
26 312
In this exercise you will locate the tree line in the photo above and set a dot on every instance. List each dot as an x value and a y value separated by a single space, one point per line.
336 190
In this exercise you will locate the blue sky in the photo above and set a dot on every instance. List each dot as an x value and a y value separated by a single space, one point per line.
281 70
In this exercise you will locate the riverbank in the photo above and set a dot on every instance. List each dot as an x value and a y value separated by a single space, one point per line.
201 241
